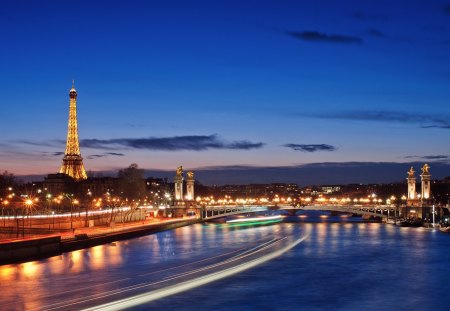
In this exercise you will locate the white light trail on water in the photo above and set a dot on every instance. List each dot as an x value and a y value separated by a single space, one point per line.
191 284
69 303
255 219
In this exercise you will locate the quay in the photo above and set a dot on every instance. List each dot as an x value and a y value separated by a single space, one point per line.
27 249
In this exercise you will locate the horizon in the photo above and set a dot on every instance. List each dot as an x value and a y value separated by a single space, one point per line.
298 174
242 85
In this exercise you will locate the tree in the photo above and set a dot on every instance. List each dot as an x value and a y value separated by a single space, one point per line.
7 180
131 182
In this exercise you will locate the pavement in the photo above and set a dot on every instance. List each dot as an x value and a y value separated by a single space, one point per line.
100 230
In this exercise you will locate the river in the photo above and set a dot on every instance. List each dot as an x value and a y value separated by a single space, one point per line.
285 266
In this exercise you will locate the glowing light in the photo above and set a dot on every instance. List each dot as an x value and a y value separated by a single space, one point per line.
277 217
193 283
30 268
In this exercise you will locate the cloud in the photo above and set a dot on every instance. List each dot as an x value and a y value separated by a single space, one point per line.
117 154
50 143
53 154
106 154
444 126
310 147
193 143
302 174
426 121
368 17
447 9
315 36
429 157
94 156
375 33
311 174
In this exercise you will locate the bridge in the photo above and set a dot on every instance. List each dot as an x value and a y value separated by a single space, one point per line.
214 212
372 211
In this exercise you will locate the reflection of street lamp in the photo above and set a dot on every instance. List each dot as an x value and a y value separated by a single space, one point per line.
433 215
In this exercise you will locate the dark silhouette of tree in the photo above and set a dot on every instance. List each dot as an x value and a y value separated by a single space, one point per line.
131 182
7 179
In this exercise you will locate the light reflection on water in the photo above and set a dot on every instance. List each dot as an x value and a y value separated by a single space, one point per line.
343 266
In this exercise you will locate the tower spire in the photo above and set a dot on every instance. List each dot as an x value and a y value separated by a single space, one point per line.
72 161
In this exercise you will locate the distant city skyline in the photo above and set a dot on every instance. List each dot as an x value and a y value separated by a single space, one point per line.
264 90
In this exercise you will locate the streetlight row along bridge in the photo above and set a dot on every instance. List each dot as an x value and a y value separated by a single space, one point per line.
214 212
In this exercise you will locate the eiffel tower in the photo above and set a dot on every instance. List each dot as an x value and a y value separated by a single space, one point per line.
72 161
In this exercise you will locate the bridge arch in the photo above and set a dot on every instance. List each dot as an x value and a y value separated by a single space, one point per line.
214 212
368 211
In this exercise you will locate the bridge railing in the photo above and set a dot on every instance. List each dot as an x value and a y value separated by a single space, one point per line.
211 212
377 211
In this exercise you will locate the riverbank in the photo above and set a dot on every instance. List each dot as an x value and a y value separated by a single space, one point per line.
28 249
22 250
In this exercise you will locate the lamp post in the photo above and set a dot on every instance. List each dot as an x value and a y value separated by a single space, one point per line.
4 203
71 216
74 202
88 202
28 204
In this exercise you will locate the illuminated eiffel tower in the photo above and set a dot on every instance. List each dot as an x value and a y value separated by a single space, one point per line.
72 161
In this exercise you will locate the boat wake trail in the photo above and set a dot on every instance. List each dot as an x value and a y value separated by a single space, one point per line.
244 261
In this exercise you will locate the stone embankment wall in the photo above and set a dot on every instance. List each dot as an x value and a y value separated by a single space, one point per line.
35 248
31 248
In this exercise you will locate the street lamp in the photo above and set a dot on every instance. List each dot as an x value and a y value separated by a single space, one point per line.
76 202
4 204
71 213
28 204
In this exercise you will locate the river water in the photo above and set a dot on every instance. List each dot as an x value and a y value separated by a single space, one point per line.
293 266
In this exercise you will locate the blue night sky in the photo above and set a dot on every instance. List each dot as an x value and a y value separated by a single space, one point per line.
213 84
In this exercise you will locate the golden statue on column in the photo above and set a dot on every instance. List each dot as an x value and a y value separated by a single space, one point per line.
178 182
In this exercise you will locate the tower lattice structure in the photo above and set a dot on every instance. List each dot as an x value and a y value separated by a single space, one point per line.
72 161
